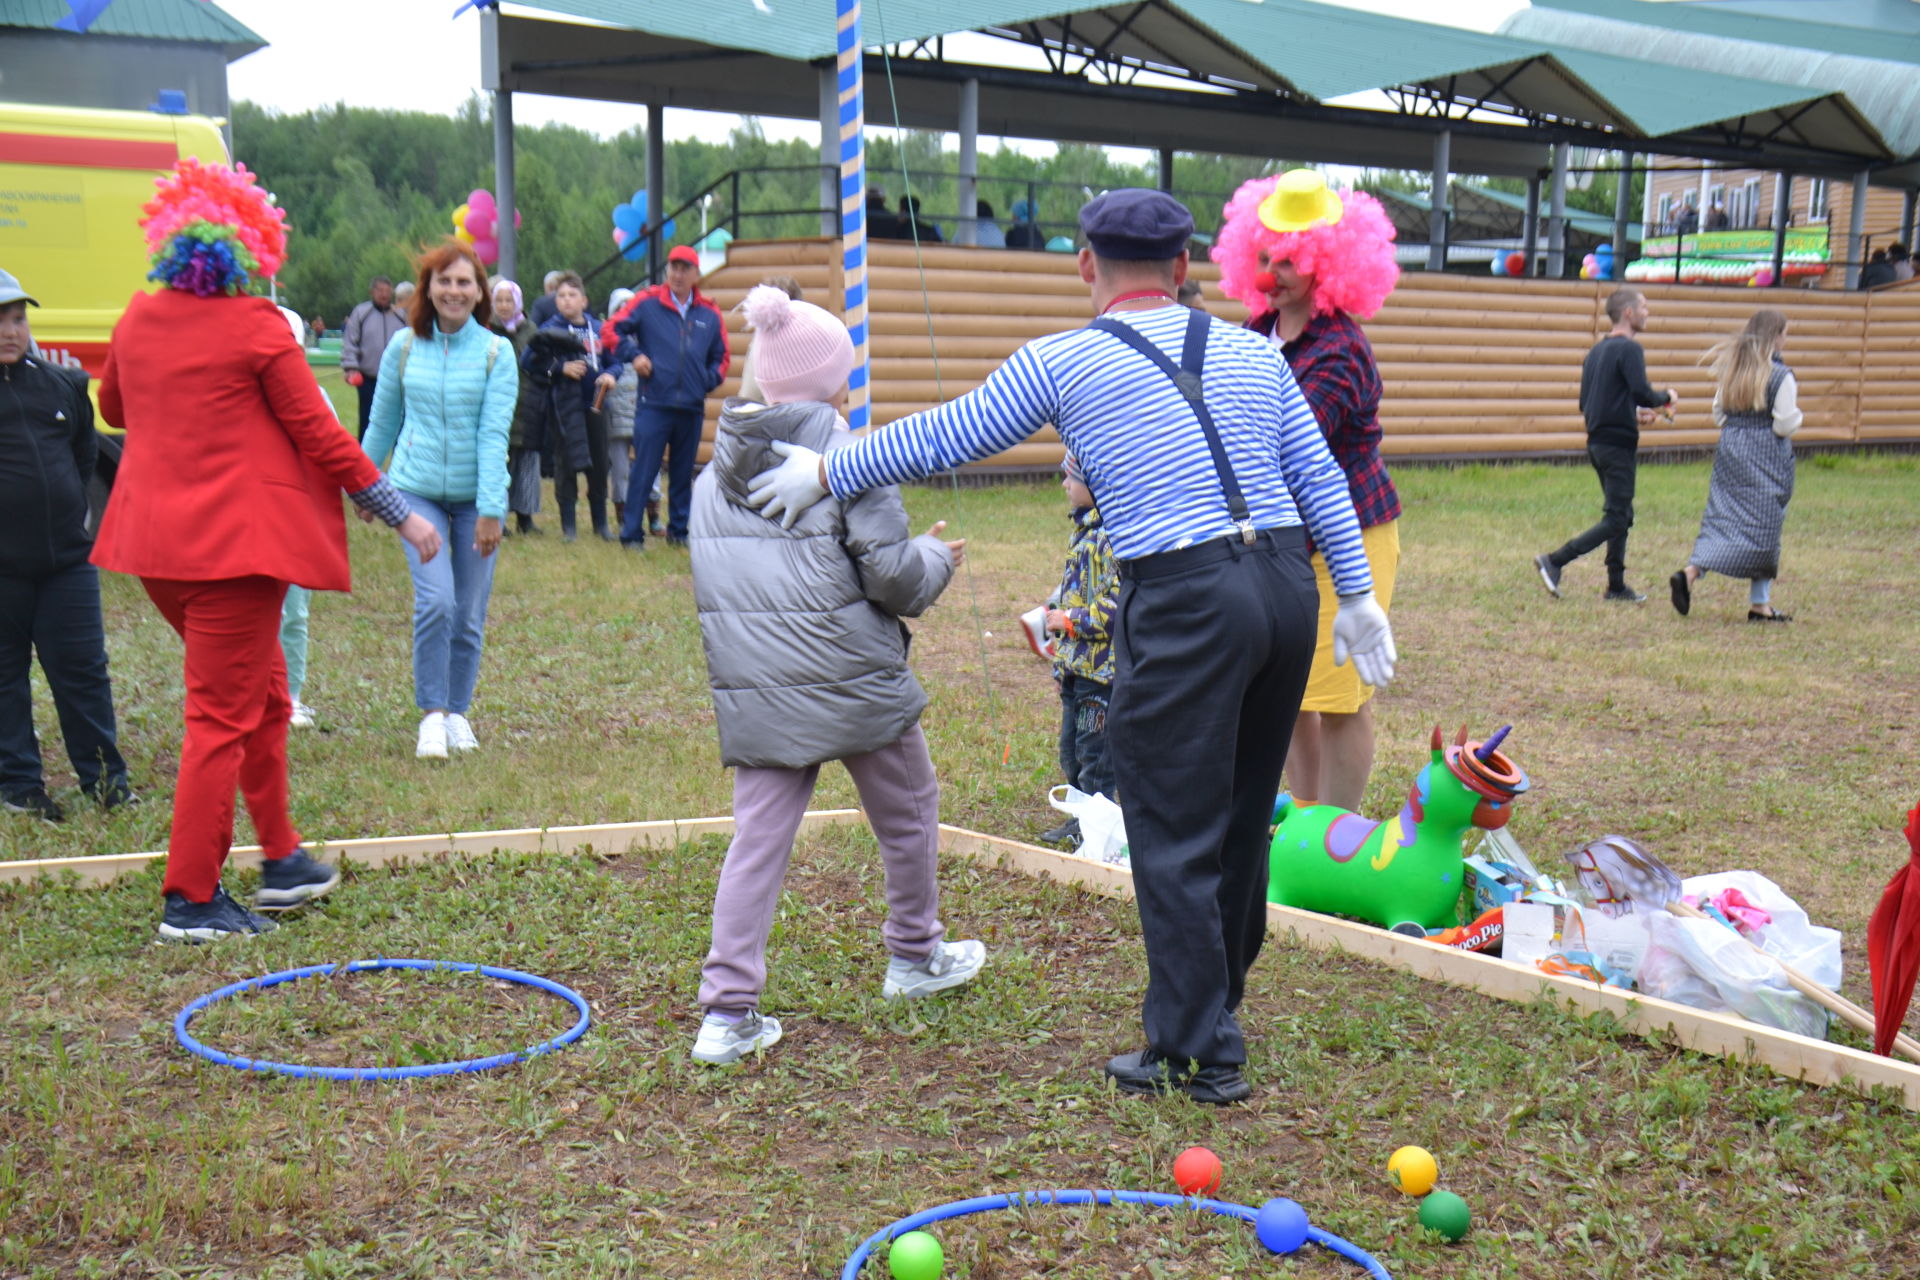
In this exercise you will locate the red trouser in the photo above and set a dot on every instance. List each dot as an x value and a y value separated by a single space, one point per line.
236 713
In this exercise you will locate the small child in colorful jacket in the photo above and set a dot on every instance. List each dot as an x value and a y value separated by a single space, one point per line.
1081 616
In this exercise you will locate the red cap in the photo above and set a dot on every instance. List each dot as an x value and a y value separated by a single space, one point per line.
684 253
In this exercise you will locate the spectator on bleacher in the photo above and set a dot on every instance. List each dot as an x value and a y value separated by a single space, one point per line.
1878 271
881 224
1716 218
986 232
675 339
1902 261
913 226
1023 234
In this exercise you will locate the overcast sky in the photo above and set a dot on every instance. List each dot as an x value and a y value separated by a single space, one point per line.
409 55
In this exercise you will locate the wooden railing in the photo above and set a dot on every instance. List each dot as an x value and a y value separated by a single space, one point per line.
1474 367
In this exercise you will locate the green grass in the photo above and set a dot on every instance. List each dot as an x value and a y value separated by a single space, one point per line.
1583 1150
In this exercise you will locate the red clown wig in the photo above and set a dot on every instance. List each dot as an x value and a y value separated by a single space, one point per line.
1351 261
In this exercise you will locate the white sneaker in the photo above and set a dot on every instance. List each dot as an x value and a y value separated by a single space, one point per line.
301 717
460 733
951 964
433 737
722 1042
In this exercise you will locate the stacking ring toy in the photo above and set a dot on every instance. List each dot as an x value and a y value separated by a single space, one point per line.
560 1041
1028 1199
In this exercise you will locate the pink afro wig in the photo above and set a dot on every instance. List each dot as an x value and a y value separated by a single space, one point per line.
219 197
1351 261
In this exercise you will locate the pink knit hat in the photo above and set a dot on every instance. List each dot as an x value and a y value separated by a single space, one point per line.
800 352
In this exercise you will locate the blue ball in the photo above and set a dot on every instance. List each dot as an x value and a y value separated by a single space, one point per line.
1281 1225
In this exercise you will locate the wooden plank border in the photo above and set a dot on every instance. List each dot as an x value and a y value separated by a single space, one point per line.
383 851
1794 1056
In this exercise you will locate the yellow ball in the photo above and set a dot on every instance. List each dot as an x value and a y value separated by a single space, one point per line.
1413 1170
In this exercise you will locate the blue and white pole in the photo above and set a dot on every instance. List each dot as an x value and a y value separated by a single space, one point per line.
853 208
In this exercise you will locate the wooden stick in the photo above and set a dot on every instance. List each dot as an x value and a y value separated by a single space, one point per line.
1845 1009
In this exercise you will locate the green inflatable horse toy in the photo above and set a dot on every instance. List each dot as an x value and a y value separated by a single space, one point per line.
1409 869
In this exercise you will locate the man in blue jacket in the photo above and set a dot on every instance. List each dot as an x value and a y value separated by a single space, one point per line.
49 594
676 340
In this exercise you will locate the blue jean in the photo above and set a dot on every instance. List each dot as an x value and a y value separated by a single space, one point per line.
450 595
676 433
1083 734
58 616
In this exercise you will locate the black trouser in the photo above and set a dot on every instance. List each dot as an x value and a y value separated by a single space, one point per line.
1085 761
57 614
1212 645
1614 463
566 485
365 389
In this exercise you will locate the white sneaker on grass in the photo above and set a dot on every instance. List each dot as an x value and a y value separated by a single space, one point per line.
951 964
722 1042
460 733
433 737
301 717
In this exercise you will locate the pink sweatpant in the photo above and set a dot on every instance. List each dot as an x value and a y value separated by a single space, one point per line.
901 797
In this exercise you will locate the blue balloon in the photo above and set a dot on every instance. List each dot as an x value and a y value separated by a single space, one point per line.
629 219
1499 264
639 201
1281 1225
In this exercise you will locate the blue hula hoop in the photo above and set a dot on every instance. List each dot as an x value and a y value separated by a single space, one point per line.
1021 1199
302 1071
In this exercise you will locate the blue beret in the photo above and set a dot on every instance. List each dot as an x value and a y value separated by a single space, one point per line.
1136 224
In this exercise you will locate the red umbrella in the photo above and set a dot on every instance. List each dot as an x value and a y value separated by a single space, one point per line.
1893 944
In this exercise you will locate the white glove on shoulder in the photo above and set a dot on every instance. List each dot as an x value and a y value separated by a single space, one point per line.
1361 633
784 492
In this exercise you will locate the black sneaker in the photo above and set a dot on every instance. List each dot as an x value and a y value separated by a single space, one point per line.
221 917
115 793
1773 615
1624 594
1067 833
676 542
1148 1072
1681 592
1549 574
287 882
36 802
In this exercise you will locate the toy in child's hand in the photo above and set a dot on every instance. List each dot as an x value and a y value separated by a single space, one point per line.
1039 639
1409 868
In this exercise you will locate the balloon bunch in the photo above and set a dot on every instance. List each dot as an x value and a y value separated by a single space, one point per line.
1797 265
629 220
1598 265
476 223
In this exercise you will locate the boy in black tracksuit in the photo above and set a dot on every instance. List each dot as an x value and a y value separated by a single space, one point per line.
49 593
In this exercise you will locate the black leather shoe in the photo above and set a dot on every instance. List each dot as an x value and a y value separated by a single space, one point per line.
1148 1072
1682 592
1067 833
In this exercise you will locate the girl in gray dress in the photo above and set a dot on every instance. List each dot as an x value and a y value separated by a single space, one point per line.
1755 404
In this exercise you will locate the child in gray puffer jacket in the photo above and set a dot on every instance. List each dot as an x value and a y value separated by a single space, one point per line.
807 657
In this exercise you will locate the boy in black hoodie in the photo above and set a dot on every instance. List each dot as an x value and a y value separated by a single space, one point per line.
49 593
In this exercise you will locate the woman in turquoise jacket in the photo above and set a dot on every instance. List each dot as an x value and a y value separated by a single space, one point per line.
443 407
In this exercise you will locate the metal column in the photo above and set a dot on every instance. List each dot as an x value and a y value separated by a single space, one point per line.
1530 229
1622 215
1437 199
968 223
1557 215
493 74
1907 210
1166 168
1782 214
1857 230
656 185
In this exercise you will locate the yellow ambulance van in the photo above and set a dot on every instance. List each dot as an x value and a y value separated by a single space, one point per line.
71 185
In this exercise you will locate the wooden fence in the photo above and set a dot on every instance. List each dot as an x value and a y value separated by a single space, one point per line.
1475 367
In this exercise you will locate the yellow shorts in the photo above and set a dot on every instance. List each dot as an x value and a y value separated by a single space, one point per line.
1338 689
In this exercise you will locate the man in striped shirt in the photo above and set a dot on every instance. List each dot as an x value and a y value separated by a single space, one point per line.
1202 475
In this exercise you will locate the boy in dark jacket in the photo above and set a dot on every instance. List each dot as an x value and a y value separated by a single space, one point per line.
807 657
1081 615
564 361
675 339
49 593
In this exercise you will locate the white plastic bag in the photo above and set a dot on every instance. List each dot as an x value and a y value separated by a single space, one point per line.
1103 832
1707 965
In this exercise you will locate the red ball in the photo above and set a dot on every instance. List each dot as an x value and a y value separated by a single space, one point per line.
1196 1171
1516 264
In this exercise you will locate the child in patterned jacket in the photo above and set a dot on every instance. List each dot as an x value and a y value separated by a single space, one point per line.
1081 618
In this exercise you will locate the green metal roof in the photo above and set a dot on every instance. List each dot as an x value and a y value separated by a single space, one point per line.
190 20
1894 31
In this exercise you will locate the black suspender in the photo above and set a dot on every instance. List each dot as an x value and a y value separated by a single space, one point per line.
1186 377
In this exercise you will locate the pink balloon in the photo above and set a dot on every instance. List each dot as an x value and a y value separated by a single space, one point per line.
516 219
479 223
487 249
620 237
481 202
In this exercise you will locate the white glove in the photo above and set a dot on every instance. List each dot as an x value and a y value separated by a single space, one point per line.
790 488
1360 632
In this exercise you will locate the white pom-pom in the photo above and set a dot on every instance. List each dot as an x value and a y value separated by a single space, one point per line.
767 308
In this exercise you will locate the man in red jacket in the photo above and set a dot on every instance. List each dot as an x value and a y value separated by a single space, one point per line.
676 340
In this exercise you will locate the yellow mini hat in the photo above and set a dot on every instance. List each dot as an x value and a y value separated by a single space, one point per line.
1301 199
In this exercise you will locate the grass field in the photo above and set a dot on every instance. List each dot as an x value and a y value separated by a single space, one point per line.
1584 1152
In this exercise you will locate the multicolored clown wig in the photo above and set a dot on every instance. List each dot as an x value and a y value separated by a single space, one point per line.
1349 255
210 230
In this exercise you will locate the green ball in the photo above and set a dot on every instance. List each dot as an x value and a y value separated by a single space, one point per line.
1445 1213
916 1256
